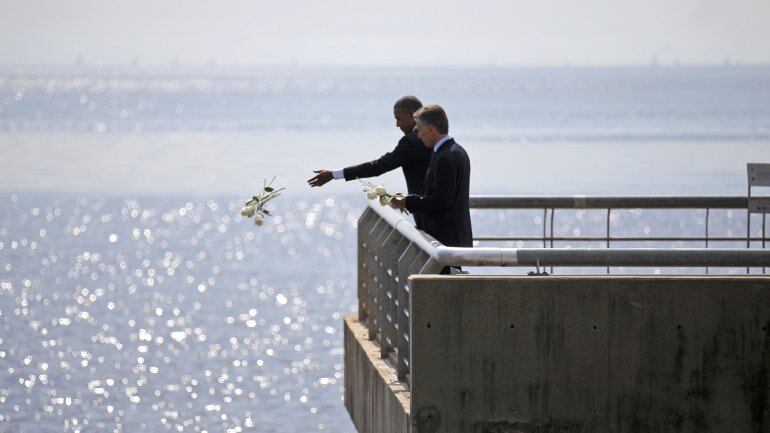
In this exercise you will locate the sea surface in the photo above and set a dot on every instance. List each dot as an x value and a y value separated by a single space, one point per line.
134 296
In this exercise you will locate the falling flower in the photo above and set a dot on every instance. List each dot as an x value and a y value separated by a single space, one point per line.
256 206
248 211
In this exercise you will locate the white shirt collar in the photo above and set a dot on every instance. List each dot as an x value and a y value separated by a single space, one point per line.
443 140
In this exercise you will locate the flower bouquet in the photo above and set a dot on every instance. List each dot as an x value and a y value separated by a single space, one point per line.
378 191
256 206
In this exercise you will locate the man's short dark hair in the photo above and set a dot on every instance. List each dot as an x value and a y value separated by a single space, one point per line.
408 104
434 115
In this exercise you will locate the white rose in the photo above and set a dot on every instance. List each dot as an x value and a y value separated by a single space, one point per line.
259 220
384 200
380 190
371 195
248 211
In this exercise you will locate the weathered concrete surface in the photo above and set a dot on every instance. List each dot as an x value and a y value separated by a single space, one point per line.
590 354
376 401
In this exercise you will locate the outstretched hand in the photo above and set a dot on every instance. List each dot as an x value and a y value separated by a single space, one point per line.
398 202
321 177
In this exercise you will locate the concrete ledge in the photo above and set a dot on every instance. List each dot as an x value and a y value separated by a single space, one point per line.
376 401
616 354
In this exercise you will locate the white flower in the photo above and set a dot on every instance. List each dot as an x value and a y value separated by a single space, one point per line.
385 199
380 190
256 205
371 195
248 211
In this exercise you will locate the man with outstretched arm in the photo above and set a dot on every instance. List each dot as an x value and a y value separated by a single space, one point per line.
410 154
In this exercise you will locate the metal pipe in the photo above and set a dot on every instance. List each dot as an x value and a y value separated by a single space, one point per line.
578 202
630 257
404 227
615 239
609 214
748 224
553 212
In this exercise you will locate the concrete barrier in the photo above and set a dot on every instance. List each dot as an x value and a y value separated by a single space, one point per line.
376 401
589 354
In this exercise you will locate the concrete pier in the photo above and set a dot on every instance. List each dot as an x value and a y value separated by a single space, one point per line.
571 354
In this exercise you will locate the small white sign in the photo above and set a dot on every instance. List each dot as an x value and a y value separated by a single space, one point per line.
759 174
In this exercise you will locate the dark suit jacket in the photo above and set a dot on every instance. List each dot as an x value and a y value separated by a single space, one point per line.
444 206
410 154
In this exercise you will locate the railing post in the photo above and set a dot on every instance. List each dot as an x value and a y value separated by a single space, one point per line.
383 232
553 214
388 292
609 214
707 234
374 323
365 223
404 265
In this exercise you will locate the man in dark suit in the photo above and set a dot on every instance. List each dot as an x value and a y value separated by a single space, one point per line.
444 205
410 154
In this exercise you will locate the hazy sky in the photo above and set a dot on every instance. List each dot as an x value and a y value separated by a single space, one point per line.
522 32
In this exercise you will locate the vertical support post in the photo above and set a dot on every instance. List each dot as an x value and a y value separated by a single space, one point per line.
390 251
381 252
361 276
383 255
748 222
758 175
763 236
366 223
374 322
609 212
707 234
553 212
404 265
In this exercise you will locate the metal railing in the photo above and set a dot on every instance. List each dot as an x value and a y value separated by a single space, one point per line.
549 206
390 249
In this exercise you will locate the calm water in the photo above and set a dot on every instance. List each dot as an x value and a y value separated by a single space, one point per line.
132 294
172 314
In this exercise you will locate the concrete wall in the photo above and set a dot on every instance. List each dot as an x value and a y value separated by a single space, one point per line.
590 354
375 400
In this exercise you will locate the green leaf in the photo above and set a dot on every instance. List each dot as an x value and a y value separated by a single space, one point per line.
265 211
268 189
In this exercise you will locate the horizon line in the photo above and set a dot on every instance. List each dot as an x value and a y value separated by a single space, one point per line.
213 65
